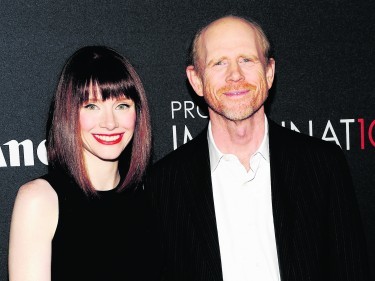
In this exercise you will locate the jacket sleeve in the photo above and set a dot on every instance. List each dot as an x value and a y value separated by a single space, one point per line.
348 253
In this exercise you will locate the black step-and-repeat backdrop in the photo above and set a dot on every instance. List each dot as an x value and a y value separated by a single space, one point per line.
325 69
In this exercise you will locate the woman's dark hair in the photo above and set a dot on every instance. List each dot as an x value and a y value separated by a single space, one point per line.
115 77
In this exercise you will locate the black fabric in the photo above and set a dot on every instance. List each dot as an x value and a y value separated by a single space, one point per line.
111 236
318 229
325 69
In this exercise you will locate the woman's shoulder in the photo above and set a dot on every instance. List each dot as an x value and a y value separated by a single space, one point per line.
36 196
37 190
33 224
35 211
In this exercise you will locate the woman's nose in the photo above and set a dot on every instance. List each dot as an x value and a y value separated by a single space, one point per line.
108 121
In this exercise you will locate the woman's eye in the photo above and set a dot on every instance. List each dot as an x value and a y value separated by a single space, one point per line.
90 106
123 106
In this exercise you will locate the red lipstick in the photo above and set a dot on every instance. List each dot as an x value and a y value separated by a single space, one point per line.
108 139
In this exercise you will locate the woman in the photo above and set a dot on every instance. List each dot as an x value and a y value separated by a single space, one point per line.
88 219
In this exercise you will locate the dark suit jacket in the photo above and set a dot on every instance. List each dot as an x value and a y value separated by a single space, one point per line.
317 223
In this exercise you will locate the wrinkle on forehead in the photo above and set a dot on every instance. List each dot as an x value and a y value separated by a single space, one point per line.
225 25
237 31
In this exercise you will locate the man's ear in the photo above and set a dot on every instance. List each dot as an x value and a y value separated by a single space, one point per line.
195 80
270 72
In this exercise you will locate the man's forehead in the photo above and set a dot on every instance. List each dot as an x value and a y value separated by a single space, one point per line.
227 27
227 24
227 33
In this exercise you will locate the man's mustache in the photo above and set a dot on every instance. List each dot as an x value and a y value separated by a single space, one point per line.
237 87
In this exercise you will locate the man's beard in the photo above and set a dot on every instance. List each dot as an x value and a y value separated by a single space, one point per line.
241 109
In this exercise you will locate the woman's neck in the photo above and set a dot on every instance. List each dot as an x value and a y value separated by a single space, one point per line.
104 175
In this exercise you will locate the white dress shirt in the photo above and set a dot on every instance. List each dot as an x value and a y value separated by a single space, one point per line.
243 211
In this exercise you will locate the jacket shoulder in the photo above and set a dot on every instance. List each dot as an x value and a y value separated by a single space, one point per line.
197 147
292 140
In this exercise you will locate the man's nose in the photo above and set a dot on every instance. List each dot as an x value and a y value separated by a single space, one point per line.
234 73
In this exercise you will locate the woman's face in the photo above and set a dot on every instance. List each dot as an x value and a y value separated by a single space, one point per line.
106 127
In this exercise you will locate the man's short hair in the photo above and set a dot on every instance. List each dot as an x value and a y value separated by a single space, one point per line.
192 58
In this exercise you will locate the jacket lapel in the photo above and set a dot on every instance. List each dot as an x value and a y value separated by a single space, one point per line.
202 205
201 199
282 174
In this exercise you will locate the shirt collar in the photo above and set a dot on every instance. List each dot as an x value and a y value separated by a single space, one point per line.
216 155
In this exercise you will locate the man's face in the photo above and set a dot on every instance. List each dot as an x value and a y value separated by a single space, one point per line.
233 76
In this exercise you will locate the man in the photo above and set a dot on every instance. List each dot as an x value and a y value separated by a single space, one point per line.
247 199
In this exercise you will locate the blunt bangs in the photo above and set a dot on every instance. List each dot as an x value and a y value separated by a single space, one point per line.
102 73
96 90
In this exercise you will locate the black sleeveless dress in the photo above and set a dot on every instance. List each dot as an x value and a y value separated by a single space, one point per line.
112 236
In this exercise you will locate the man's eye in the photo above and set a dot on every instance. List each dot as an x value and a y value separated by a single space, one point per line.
247 61
220 63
